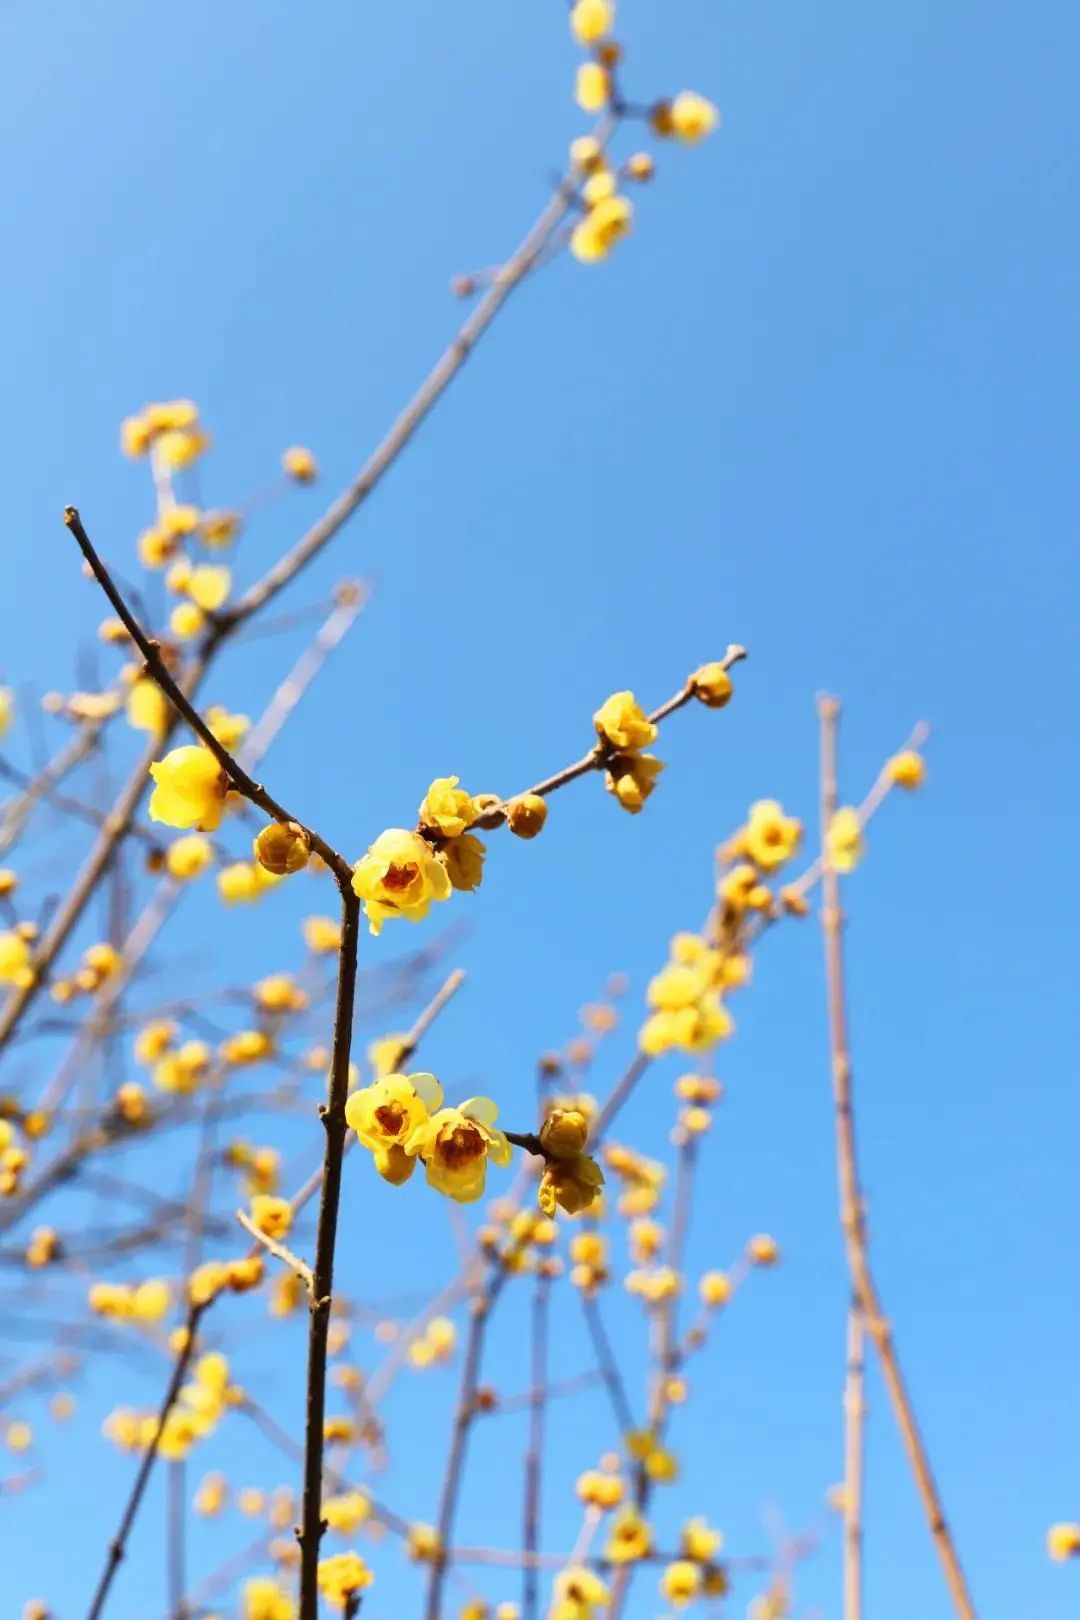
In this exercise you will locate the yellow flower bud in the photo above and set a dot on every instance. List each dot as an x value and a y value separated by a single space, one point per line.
282 847
713 685
525 815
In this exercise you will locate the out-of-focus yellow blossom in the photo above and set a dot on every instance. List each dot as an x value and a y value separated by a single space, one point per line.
209 585
586 153
680 1582
287 1294
598 187
15 960
632 778
424 1542
689 117
770 838
154 1040
190 789
279 992
246 1046
155 548
699 1541
147 706
229 729
179 520
906 769
265 1599
455 1145
1063 1541
151 1299
592 20
251 1501
844 840
9 881
299 463
713 685
186 857
322 935
692 1029
44 1246
220 528
347 1512
629 1537
564 1133
171 416
19 1436
698 1088
599 1489
715 1288
7 709
763 1250
623 723
181 1070
592 87
399 877
272 1215
391 1113
211 1495
446 808
207 1281
387 1054
640 166
186 620
282 847
596 234
244 882
131 1103
464 861
178 448
579 1594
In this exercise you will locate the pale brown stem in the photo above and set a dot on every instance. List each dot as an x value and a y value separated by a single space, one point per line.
854 1442
852 1216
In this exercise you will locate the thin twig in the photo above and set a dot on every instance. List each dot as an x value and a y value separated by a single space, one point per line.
279 1251
854 1441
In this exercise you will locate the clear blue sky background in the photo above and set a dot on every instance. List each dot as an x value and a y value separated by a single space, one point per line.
824 403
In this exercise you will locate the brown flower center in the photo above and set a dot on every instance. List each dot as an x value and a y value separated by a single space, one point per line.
460 1146
400 876
391 1117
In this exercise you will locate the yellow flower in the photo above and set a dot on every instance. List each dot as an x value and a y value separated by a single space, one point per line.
15 960
190 790
629 1537
447 809
564 1133
689 117
390 1114
592 20
179 447
692 1029
322 935
19 1436
844 840
300 464
763 1250
264 1599
598 1489
586 153
591 87
387 1054
699 1541
178 521
464 861
571 1184
907 769
151 1300
247 1046
715 1288
220 528
455 1145
209 585
623 723
678 985
770 838
579 1594
186 857
147 706
680 1582
229 729
134 436
399 877
244 882
425 1543
272 1215
171 416
712 685
282 847
186 620
181 1071
632 777
346 1513
525 815
594 236
1063 1541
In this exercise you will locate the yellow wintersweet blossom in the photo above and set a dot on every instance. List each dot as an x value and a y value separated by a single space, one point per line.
700 1541
680 1582
592 20
181 1071
244 882
179 520
15 960
446 808
907 769
763 1250
579 1594
629 1537
596 234
715 1288
7 709
154 1040
425 1543
186 857
209 585
464 861
455 1145
399 877
632 777
19 1436
151 1299
596 1488
282 847
347 1512
299 463
147 706
570 1184
694 1028
712 685
179 447
264 1599
591 87
211 1495
844 840
689 117
387 1054
1063 1541
526 815
770 838
229 729
623 723
391 1113
340 1576
322 935
246 1046
190 790
186 620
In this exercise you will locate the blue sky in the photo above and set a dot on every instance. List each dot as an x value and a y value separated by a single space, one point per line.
823 402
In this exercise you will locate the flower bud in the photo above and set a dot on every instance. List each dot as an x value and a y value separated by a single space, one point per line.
526 815
282 847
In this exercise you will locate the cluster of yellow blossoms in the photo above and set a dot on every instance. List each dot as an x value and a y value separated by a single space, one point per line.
146 1302
199 1408
401 1121
607 214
